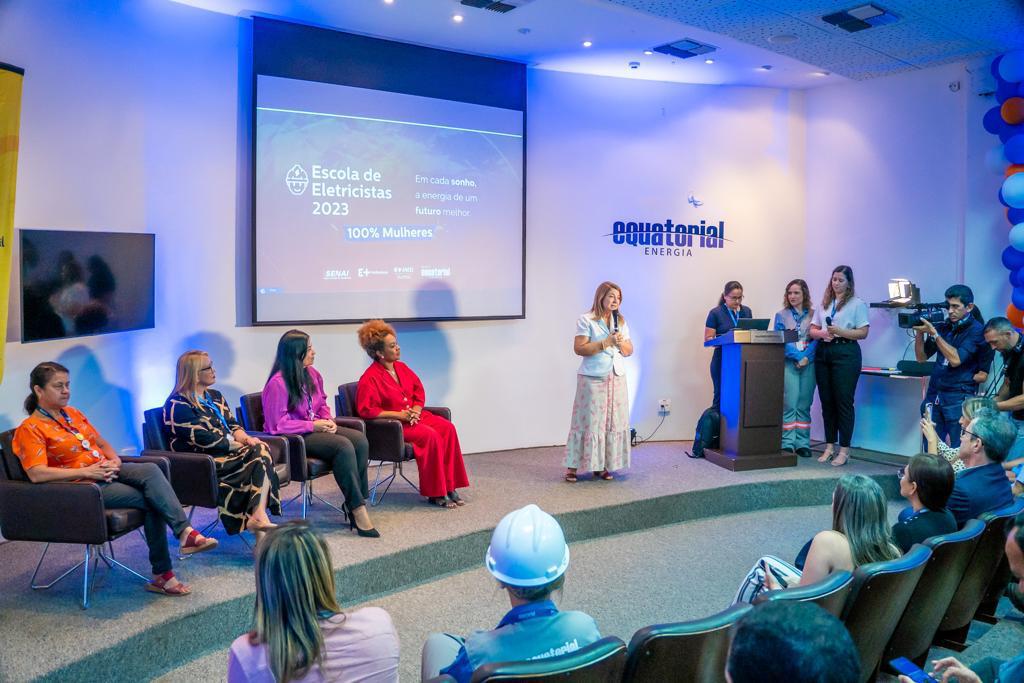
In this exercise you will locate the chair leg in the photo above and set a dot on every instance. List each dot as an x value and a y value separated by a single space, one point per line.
89 563
85 580
32 581
374 498
408 481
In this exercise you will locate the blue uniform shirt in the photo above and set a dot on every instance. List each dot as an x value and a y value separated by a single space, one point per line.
536 630
975 355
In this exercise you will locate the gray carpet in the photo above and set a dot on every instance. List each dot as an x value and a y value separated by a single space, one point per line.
126 625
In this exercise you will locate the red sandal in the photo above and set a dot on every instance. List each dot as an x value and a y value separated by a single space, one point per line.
159 585
604 474
196 543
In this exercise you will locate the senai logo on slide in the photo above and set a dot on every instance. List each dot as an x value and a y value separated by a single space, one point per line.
297 180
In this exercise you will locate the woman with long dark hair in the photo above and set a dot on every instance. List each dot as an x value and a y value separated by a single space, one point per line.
840 323
294 402
721 319
301 633
57 443
796 314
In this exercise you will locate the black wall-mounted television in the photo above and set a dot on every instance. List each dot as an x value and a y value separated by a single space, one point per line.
77 283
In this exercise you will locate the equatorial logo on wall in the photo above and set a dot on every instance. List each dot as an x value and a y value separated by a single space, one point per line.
668 238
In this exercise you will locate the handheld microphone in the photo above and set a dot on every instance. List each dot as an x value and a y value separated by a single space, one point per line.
615 322
828 320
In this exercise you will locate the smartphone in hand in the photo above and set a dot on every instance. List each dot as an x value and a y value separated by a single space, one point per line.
911 670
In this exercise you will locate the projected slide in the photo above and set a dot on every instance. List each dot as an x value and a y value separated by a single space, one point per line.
379 204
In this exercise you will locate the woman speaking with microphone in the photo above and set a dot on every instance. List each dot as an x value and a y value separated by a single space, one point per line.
839 324
599 432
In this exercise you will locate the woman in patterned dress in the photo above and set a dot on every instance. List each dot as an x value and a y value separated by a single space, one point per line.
599 432
200 421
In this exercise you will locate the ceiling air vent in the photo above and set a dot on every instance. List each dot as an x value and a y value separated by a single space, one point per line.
685 48
501 7
861 18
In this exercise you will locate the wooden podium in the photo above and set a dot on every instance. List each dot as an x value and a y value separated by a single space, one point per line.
753 367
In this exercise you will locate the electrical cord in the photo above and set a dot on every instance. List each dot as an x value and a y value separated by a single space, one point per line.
649 436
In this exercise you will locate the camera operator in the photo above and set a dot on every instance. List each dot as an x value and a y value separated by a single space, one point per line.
1002 336
959 346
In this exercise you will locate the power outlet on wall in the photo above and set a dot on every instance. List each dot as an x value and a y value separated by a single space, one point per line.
664 406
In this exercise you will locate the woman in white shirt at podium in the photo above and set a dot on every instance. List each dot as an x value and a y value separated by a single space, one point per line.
839 324
599 432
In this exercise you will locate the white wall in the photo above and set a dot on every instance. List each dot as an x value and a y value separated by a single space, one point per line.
897 187
131 122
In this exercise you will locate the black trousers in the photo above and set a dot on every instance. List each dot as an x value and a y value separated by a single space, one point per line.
347 451
716 377
837 369
142 485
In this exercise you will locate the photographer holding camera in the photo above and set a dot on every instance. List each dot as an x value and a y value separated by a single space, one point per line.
961 352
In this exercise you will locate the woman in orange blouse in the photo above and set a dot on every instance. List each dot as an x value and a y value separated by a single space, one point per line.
57 443
389 388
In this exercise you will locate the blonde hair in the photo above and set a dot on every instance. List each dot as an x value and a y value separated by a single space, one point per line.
294 588
187 376
597 310
372 335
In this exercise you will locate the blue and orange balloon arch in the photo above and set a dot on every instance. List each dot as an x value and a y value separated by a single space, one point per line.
1006 120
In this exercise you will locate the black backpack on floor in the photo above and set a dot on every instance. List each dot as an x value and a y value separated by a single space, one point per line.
708 426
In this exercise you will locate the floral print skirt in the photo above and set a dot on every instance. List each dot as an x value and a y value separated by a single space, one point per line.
599 432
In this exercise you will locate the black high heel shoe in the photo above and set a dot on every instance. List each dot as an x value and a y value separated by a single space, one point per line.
365 533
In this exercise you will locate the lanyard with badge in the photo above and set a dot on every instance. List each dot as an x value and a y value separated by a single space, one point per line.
545 608
735 316
798 319
69 427
216 411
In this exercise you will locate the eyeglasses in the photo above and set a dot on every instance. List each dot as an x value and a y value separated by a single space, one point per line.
208 367
902 473
734 298
964 432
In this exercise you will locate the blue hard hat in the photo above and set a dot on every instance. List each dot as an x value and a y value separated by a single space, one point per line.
527 549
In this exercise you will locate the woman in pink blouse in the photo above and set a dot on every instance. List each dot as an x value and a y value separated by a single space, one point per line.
390 389
301 634
294 402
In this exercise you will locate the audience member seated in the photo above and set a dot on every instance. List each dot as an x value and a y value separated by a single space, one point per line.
935 445
990 669
983 485
57 443
301 634
200 421
791 642
294 402
926 484
859 534
528 556
390 389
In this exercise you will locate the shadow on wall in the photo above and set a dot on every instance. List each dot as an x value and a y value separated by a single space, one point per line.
222 354
425 347
108 406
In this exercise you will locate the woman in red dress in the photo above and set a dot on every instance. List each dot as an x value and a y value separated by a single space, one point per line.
390 389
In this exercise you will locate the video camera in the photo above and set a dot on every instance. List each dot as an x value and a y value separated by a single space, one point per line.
933 313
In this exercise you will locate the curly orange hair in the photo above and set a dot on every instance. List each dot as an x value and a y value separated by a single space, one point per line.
372 335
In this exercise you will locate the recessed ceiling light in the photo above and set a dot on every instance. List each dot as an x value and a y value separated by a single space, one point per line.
765 67
389 2
587 43
820 73
648 52
457 18
709 61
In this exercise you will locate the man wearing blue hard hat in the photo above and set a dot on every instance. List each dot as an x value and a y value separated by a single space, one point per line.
528 556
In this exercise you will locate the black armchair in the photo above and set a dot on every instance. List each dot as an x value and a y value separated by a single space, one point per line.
693 651
302 469
194 475
831 593
600 661
387 440
28 513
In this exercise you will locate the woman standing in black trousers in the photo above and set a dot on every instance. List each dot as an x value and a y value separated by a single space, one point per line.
839 324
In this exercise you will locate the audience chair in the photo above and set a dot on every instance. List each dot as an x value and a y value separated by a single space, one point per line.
303 469
387 440
977 578
881 591
596 663
194 475
693 651
64 512
930 599
830 593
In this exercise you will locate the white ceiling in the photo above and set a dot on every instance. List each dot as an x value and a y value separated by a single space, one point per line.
932 32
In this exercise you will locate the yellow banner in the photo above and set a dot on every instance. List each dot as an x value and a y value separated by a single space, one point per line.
10 117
